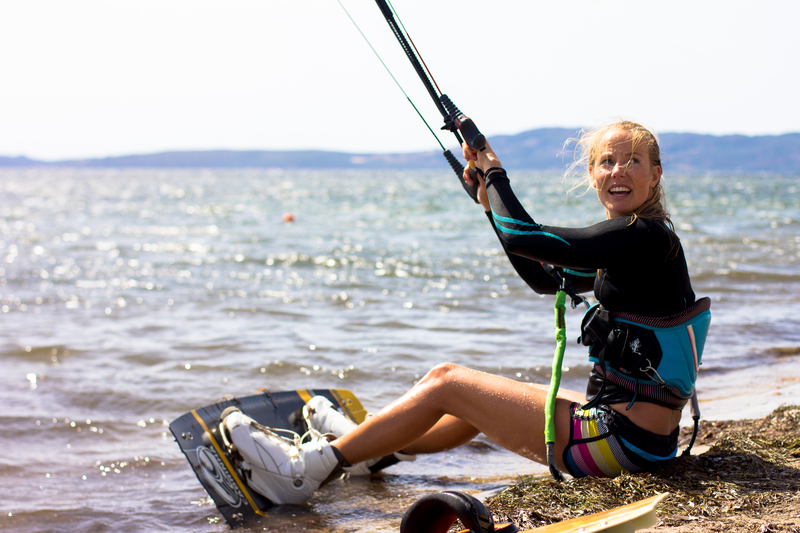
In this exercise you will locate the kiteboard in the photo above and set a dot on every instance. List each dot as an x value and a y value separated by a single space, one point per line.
197 433
623 519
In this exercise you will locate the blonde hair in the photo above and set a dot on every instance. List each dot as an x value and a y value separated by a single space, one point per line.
586 148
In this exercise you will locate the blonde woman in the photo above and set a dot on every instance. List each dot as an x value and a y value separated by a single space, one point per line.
641 379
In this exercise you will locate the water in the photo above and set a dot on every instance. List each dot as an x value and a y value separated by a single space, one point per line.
128 297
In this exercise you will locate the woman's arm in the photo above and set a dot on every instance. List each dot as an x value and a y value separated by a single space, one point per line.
538 278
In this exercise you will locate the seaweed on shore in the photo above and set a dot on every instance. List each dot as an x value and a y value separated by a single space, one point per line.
751 470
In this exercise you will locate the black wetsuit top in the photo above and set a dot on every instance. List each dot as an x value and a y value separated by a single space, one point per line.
633 265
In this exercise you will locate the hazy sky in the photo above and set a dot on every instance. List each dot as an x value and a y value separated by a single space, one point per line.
86 78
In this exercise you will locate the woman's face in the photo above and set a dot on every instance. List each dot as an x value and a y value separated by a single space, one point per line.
622 173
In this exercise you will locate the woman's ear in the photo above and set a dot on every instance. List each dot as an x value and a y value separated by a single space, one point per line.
656 176
592 180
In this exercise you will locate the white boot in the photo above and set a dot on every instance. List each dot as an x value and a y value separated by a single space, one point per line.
281 469
320 414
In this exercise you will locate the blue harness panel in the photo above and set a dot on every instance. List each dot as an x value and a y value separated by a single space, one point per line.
656 357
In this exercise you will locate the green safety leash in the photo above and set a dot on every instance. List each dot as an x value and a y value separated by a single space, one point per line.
564 288
555 382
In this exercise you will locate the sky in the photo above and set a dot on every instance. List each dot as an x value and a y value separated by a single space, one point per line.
96 78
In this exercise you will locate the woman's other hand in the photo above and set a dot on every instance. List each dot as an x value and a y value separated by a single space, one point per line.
482 160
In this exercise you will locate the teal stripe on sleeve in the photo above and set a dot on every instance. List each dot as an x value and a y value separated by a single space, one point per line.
542 233
580 274
515 221
521 232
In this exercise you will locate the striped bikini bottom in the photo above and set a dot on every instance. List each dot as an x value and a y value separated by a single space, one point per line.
605 443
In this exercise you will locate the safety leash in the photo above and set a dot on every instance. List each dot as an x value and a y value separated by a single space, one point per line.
555 383
565 288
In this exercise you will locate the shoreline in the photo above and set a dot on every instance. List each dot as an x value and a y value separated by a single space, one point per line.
748 393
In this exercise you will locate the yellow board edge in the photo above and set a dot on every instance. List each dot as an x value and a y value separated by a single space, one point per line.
350 404
304 395
229 466
625 519
348 401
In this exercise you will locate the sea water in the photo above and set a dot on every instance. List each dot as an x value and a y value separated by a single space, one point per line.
129 297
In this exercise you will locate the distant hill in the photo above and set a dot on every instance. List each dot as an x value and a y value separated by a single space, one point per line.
540 149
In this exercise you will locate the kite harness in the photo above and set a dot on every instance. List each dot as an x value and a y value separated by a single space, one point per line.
672 380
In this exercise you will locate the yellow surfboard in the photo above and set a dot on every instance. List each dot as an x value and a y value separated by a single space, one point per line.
624 519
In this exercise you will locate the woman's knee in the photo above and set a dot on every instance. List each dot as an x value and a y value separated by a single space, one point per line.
441 381
441 374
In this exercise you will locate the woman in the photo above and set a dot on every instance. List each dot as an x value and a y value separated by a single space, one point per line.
634 262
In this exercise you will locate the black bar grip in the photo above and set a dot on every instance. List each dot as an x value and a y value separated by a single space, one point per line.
475 139
458 121
458 168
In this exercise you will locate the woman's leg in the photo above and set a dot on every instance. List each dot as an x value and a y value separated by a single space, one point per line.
448 433
508 412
